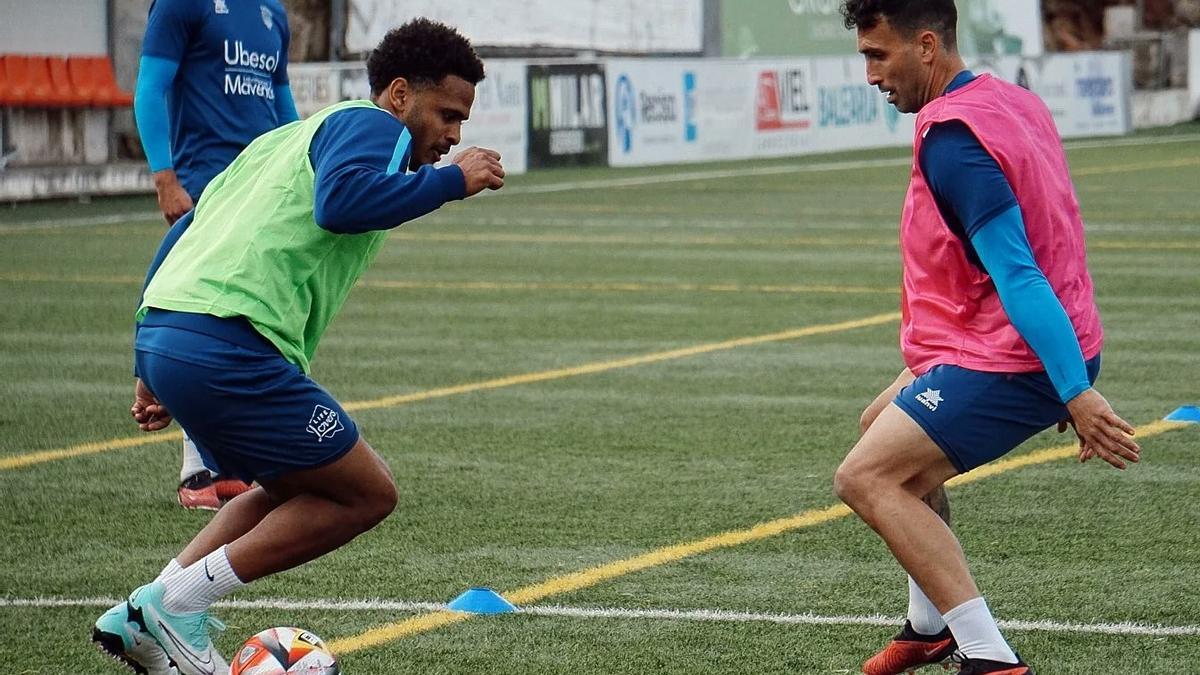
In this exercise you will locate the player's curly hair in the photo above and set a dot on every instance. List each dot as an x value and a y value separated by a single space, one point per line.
423 52
939 16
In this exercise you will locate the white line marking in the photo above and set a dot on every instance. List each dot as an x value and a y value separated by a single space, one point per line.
90 221
601 183
706 615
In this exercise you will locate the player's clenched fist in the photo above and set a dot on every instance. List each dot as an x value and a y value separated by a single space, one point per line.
482 169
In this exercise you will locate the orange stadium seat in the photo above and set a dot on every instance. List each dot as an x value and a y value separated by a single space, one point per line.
82 81
43 92
8 94
103 68
93 80
38 81
22 89
60 80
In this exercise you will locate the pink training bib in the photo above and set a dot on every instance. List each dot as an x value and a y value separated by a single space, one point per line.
951 311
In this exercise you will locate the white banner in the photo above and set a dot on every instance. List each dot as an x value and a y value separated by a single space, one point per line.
603 25
498 117
821 105
1089 93
687 110
676 111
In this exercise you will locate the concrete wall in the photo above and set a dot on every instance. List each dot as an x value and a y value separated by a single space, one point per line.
54 26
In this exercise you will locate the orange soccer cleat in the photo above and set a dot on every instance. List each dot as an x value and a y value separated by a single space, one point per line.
199 493
910 650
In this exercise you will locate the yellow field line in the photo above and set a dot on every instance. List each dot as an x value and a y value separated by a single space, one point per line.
669 554
604 366
29 459
1138 166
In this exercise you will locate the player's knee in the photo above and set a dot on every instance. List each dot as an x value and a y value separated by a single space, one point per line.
378 505
865 419
848 485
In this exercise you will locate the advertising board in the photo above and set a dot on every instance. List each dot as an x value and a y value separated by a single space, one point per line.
568 114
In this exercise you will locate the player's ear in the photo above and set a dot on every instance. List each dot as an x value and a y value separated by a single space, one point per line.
400 95
928 43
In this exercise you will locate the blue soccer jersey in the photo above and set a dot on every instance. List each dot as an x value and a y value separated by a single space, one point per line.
232 57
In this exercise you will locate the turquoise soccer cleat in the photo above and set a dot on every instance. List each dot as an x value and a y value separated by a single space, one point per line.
121 633
184 637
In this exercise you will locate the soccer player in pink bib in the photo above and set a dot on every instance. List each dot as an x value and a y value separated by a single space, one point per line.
1000 331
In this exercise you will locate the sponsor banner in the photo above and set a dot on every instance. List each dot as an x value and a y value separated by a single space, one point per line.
498 116
821 105
319 85
1089 93
815 28
670 26
676 111
568 115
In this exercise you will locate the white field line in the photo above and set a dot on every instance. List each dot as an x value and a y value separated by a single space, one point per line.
704 615
89 221
601 183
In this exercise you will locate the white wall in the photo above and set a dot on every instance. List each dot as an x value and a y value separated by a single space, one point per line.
609 25
54 26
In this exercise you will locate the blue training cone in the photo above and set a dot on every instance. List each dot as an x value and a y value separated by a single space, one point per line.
482 601
1187 413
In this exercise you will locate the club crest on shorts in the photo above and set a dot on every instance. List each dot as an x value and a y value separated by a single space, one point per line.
325 423
220 7
930 398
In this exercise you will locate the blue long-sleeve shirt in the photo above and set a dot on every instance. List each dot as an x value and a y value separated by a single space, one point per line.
364 181
978 203
212 78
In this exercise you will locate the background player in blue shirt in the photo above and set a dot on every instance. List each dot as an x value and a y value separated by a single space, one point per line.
212 78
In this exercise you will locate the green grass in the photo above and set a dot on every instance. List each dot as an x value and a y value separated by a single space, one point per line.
517 485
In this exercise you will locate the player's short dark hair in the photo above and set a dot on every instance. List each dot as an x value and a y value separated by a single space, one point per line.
423 52
909 16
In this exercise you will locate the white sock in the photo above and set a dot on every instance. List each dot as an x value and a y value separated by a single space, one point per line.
924 617
200 584
976 633
192 462
170 570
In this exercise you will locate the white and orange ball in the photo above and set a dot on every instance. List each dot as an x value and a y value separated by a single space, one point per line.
284 651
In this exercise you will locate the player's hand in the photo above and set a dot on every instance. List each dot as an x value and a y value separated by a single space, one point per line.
1102 433
147 411
173 200
482 169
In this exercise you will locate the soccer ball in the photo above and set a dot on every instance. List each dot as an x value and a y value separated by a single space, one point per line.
284 651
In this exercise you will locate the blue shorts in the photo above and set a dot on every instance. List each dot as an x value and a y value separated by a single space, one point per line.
251 413
977 417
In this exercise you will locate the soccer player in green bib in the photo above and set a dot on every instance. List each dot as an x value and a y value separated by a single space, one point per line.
234 306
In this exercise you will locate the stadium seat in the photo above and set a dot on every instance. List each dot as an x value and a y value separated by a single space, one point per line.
43 92
102 69
60 80
22 89
82 81
8 93
93 80
38 81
